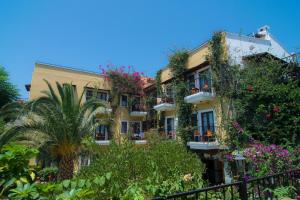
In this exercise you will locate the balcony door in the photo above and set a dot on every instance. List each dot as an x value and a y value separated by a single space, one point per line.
170 127
207 123
102 132
204 80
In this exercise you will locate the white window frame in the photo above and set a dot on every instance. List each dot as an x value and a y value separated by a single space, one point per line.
103 91
121 126
97 90
121 100
200 119
174 118
106 134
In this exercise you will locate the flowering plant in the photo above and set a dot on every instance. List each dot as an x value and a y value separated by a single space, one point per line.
267 159
124 80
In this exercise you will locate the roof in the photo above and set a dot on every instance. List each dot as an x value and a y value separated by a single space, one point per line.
54 66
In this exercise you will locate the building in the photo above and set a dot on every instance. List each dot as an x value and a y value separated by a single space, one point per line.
206 113
205 116
128 118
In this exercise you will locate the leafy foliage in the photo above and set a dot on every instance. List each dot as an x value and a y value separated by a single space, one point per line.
123 82
268 102
14 165
177 64
8 91
48 174
146 171
63 120
267 159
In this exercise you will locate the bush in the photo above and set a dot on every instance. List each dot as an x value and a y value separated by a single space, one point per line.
268 159
140 171
14 166
48 174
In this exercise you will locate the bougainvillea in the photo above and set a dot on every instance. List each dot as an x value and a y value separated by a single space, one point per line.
124 80
267 159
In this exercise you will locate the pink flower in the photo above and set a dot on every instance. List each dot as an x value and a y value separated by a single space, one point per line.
276 109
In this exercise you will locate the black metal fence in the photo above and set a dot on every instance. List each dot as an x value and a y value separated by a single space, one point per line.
254 188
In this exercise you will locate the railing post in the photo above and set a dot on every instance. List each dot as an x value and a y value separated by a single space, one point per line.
243 190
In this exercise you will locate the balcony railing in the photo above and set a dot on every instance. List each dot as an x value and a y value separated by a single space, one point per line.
165 98
138 138
165 102
200 84
204 138
204 134
103 138
138 108
199 90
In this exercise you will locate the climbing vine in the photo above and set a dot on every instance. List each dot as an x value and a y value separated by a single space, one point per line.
158 83
123 81
177 64
226 81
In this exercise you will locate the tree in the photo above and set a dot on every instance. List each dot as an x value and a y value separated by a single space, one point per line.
63 120
268 101
8 91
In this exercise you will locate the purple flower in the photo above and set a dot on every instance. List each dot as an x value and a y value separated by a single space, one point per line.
229 157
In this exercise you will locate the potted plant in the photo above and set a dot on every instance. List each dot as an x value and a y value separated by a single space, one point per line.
195 90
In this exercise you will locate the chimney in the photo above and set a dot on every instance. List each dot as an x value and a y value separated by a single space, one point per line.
263 33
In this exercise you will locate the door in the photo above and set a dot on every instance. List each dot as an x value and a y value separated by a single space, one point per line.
136 130
208 124
205 81
170 127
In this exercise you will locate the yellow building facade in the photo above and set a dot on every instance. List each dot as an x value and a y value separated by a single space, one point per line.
126 119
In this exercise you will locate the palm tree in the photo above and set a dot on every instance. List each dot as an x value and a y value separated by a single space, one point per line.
63 120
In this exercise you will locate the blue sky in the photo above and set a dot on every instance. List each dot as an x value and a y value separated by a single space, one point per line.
86 34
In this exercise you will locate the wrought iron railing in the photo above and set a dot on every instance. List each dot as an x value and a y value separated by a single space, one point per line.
138 107
246 189
166 98
200 84
204 134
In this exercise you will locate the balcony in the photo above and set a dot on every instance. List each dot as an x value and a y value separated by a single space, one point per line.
138 110
204 138
165 103
199 91
138 138
103 135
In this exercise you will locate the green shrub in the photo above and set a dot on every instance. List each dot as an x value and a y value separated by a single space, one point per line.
48 174
139 171
14 166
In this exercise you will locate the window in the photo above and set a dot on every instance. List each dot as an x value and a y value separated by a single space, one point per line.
101 132
194 120
135 127
73 86
102 96
205 80
124 100
207 121
191 81
124 127
88 94
136 104
84 160
170 125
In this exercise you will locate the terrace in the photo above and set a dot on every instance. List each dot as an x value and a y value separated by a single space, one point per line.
204 138
200 87
138 109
